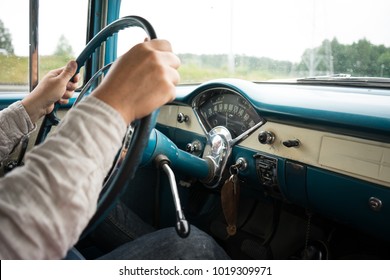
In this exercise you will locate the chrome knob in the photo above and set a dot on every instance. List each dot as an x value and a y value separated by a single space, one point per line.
194 147
375 203
182 118
266 137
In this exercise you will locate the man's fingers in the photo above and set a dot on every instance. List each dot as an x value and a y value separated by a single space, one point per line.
68 94
71 86
174 76
69 70
63 101
171 59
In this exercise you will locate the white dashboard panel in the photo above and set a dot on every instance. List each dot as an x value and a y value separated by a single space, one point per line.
369 160
355 157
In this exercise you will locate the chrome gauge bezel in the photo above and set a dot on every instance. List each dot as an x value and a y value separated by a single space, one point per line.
206 95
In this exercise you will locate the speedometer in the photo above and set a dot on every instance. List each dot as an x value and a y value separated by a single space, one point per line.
225 107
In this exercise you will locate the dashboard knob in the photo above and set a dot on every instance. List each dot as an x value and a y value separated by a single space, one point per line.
266 137
291 143
375 203
182 118
190 148
194 148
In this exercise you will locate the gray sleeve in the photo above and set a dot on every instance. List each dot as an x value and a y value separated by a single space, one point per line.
14 124
46 204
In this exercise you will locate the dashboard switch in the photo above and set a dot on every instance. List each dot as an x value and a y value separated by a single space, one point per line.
375 203
291 143
194 148
266 137
182 118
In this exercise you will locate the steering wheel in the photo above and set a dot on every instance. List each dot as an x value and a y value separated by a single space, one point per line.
137 135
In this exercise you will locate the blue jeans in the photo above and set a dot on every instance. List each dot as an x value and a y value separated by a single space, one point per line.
165 244
120 226
133 239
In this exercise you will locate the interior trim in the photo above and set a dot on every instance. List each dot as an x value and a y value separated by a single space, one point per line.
358 158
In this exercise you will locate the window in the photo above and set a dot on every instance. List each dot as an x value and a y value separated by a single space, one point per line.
14 45
62 31
68 37
264 40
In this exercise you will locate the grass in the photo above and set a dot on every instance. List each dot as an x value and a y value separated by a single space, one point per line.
14 70
190 73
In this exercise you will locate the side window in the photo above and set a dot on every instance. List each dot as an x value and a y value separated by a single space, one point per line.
62 36
14 45
62 32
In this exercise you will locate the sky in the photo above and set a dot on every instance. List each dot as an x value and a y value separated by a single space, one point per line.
56 19
278 29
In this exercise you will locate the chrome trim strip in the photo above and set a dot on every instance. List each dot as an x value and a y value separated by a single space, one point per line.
34 39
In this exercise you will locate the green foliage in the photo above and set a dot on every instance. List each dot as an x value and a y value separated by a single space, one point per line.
63 49
50 62
5 39
14 69
196 68
360 58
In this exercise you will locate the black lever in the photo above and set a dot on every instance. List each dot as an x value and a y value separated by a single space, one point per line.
182 225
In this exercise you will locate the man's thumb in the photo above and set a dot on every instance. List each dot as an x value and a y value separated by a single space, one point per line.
69 70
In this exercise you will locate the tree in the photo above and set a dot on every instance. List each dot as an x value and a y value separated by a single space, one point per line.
5 39
63 49
361 58
384 62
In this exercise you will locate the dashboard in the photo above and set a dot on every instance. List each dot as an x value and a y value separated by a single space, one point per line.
323 148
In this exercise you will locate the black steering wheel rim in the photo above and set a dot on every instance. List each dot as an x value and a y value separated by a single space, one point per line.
129 164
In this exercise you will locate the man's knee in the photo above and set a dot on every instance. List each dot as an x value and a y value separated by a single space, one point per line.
198 245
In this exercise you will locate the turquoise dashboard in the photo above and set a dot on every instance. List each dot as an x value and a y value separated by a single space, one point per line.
323 148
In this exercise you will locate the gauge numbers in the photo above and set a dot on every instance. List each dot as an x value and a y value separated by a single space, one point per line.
223 107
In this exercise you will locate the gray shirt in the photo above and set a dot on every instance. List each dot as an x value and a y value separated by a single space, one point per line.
14 124
46 204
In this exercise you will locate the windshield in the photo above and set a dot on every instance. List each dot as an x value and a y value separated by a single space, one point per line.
267 40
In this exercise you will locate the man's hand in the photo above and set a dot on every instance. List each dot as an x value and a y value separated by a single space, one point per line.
141 80
55 86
